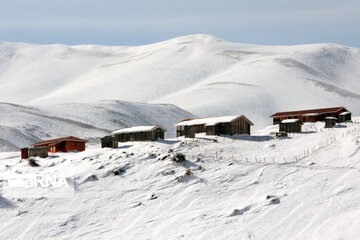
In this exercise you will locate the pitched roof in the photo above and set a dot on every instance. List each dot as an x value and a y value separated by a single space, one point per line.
211 121
310 111
138 129
58 140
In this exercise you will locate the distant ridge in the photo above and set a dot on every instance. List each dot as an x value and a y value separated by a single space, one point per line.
200 73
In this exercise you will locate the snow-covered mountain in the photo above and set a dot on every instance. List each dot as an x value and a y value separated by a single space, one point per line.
199 73
306 186
23 125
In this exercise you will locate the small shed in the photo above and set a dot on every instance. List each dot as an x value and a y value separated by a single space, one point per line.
330 122
39 152
290 125
140 133
24 153
109 141
345 116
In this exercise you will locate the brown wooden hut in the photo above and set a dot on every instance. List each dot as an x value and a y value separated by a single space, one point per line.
34 152
140 133
24 153
290 125
64 144
345 116
330 122
311 115
109 141
227 125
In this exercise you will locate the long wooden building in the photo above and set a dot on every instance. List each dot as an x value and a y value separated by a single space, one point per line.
227 125
64 144
311 115
140 133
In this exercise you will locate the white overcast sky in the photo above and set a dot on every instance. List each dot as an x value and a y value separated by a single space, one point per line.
136 22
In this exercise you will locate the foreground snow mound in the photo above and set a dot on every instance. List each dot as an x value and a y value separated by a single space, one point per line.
21 126
231 188
199 73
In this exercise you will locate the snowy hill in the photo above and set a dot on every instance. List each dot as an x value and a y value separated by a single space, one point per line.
306 186
199 73
21 126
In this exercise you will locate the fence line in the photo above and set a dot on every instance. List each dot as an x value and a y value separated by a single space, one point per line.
355 127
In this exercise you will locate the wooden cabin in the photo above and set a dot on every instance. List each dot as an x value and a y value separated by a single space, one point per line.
64 144
227 125
344 117
290 125
140 133
39 152
109 141
311 115
330 122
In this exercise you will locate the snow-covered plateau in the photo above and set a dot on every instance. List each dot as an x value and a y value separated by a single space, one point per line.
305 186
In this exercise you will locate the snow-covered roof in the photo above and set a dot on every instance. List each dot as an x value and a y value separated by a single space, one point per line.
211 121
138 129
303 112
290 120
58 140
344 113
311 114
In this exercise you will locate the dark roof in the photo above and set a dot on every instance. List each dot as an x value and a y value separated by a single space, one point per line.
58 140
302 112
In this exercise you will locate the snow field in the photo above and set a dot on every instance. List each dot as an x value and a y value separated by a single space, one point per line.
221 196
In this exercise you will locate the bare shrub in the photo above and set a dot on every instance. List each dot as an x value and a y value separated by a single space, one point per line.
32 162
178 158
188 172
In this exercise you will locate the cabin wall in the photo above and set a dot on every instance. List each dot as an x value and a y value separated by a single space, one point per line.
110 142
190 131
141 136
212 130
66 146
24 153
329 123
158 134
240 126
38 152
290 127
344 118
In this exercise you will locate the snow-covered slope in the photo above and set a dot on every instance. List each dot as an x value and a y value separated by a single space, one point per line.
24 125
199 73
303 187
